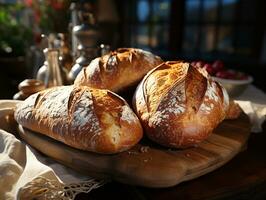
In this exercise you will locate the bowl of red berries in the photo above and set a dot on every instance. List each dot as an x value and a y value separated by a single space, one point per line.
235 82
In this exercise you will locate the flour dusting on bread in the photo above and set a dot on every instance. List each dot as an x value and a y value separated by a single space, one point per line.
81 117
93 69
26 107
210 95
211 91
118 69
84 114
173 103
183 106
127 114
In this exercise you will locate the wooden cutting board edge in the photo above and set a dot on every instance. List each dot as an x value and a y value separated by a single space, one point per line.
183 176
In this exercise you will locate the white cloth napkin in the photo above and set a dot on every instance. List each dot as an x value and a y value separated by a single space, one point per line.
26 174
253 103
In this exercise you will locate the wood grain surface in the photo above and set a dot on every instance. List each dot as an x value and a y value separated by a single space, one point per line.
148 164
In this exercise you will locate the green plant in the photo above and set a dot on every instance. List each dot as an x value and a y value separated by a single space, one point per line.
14 35
50 16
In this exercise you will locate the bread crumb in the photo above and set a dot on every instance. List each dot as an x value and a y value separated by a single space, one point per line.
147 159
132 153
144 149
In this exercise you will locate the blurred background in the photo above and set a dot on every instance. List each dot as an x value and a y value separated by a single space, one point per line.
233 31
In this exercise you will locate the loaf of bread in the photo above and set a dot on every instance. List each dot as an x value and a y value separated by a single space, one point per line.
178 105
118 70
84 118
233 111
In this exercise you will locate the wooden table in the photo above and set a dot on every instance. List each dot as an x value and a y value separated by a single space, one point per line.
244 177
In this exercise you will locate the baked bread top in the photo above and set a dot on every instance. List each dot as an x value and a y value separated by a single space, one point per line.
118 70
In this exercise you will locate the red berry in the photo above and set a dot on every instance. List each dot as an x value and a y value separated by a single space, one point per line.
226 74
218 66
231 74
221 74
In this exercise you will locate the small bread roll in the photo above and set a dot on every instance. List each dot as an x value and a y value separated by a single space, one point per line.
31 86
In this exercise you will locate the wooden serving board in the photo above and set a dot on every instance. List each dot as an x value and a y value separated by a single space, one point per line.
148 164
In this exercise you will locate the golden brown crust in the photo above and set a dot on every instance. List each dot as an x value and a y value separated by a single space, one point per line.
118 69
30 86
178 105
85 118
233 111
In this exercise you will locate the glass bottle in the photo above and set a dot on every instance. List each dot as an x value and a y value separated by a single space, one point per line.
53 76
65 57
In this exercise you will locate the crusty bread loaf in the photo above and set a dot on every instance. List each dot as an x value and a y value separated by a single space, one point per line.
178 105
233 111
118 70
85 118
